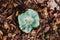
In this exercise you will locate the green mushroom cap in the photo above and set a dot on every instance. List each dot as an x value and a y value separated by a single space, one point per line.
28 20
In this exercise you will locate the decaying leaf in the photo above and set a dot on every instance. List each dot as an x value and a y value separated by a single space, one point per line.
6 25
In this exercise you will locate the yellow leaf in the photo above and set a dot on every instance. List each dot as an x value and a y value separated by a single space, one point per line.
17 13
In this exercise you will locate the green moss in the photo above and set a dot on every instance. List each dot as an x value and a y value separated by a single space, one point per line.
46 36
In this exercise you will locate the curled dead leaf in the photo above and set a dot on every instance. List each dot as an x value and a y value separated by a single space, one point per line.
6 25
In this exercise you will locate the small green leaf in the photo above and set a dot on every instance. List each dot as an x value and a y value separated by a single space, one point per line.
46 36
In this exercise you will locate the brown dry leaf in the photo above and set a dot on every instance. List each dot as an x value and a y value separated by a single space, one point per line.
10 6
6 25
4 5
46 29
0 37
54 27
1 33
13 25
17 13
52 37
17 31
57 22
13 35
33 33
4 37
40 1
39 10
15 5
39 30
10 17
29 35
9 35
5 11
